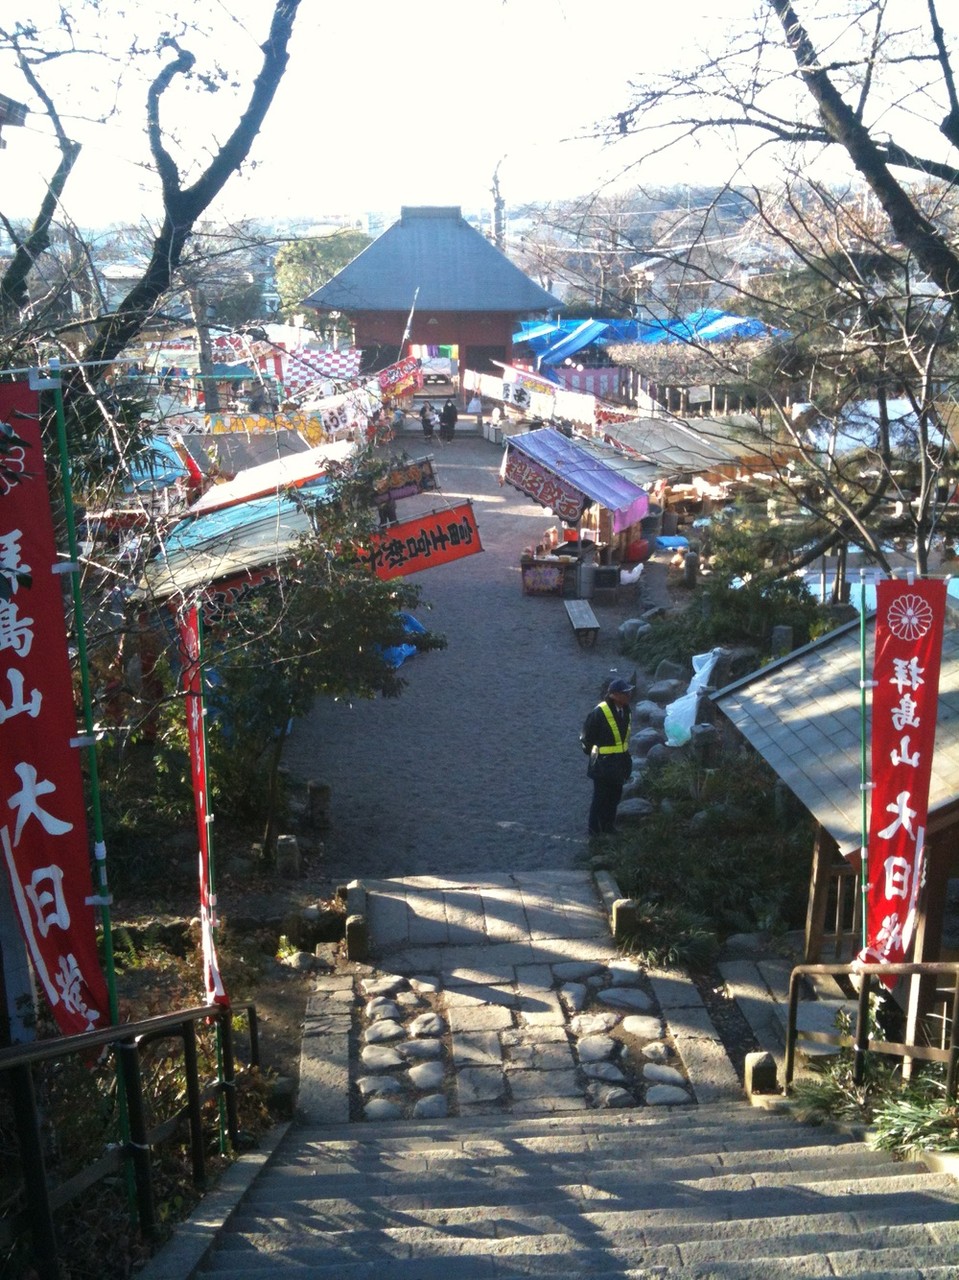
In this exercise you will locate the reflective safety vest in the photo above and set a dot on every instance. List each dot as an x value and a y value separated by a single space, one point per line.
620 745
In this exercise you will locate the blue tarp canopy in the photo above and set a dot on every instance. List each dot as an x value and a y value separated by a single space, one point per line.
553 343
705 325
205 549
585 333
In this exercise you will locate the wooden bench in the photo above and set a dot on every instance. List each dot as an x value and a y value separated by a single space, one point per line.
583 621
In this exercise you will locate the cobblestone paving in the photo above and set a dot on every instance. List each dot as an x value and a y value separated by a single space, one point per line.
502 995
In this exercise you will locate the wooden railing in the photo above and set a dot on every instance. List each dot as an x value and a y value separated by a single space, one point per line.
860 1041
125 1043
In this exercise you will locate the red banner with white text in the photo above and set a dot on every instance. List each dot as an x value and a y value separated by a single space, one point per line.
908 651
193 691
44 836
425 542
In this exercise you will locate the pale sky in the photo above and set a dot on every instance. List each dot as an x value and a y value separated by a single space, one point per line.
384 103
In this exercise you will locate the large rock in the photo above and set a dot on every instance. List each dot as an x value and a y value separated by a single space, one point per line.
732 664
634 809
665 691
628 629
647 712
659 755
718 818
705 744
647 737
668 670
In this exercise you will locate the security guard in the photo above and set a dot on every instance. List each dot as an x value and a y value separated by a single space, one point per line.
605 739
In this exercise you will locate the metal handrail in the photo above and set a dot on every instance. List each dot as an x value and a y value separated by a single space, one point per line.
124 1041
860 1040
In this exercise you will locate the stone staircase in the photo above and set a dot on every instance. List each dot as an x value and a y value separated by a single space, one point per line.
760 987
722 1190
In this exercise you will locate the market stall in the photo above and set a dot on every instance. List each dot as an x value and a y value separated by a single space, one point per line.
596 491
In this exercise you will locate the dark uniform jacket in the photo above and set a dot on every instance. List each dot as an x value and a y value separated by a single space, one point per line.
613 766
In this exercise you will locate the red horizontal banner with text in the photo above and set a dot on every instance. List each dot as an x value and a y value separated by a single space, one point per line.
426 542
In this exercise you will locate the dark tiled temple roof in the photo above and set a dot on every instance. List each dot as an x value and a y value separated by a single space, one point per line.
435 251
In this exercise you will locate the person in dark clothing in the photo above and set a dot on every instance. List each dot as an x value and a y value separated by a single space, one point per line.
448 416
605 739
427 418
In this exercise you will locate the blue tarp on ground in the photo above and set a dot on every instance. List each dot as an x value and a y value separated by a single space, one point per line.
398 654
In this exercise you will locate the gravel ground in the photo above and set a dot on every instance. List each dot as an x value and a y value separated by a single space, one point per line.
477 766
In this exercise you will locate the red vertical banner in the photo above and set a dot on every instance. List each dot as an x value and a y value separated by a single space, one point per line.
43 821
908 652
193 691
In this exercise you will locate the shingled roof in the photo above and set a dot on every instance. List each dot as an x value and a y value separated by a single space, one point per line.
802 715
433 250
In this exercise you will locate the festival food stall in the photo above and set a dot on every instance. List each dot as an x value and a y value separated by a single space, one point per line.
599 494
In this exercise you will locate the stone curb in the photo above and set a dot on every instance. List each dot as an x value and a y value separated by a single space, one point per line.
357 922
180 1256
608 891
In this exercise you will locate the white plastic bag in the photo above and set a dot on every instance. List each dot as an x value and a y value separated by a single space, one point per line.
680 718
681 714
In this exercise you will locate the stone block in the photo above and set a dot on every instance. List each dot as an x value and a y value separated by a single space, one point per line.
781 640
760 1074
287 856
625 919
357 938
318 798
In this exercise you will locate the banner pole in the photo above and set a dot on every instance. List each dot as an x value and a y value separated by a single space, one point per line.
863 762
102 898
221 1099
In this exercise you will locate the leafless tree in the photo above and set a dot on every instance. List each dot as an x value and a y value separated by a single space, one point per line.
184 198
861 271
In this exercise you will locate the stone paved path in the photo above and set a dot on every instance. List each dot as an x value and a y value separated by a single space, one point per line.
477 765
501 995
462 807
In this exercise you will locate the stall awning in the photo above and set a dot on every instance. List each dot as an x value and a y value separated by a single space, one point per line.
206 549
289 472
566 474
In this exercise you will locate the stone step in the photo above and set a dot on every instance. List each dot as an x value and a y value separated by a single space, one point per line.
847 1253
810 1267
610 1211
639 1131
764 1167
760 990
751 1148
724 1190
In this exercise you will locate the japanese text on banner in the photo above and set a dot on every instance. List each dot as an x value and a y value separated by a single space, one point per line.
426 542
43 828
908 650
